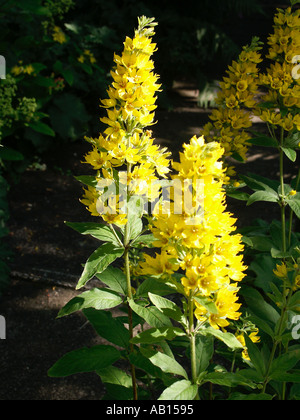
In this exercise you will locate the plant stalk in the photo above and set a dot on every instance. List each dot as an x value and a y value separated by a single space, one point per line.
192 337
129 296
282 204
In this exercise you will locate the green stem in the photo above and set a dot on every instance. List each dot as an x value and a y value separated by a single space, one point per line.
282 204
192 337
130 321
129 296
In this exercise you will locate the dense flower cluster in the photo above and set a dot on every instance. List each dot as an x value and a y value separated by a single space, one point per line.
235 99
125 141
281 79
198 240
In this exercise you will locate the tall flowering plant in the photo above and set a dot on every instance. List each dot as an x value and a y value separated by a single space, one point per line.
273 96
185 295
119 196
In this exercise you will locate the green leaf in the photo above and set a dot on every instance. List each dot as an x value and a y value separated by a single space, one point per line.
277 253
290 153
238 195
10 154
259 243
286 361
263 266
204 352
84 360
229 339
294 304
108 327
97 230
143 241
153 316
135 208
292 377
269 196
115 376
94 298
255 356
118 383
156 335
89 180
154 286
263 141
42 128
293 2
292 141
167 307
143 363
237 396
115 279
228 379
166 363
294 203
260 183
258 306
181 390
68 75
98 262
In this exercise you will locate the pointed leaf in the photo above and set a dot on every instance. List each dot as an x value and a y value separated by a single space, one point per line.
115 279
156 335
290 153
94 298
269 196
108 327
167 307
151 315
84 360
98 262
229 339
97 230
166 363
181 390
255 356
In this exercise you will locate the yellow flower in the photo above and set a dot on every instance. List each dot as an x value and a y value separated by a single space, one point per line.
17 70
58 35
227 308
29 69
97 159
281 271
159 265
297 282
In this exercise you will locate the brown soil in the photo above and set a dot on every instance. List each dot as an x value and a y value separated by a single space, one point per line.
48 258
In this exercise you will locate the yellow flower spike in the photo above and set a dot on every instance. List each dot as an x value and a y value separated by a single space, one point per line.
204 246
129 110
